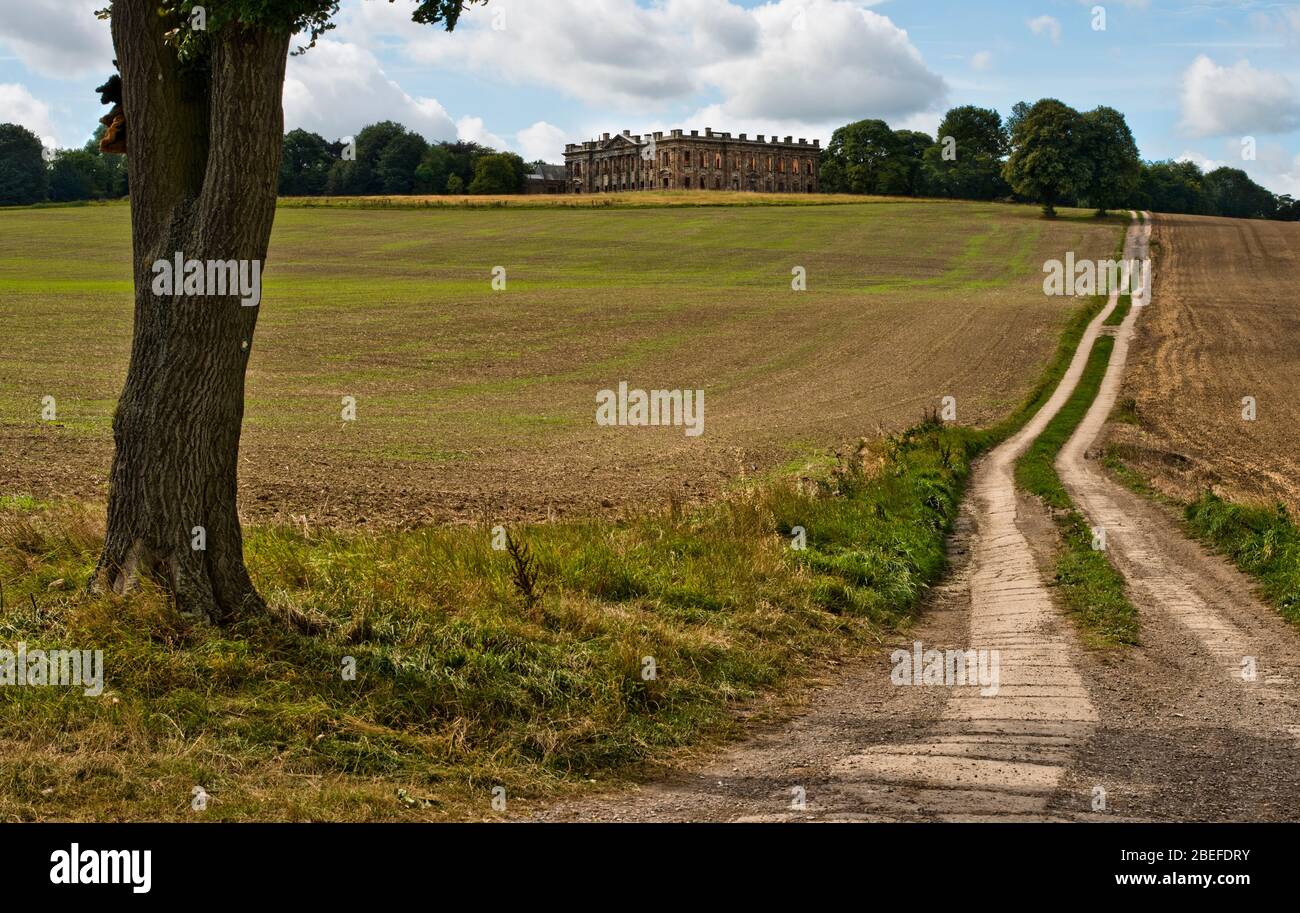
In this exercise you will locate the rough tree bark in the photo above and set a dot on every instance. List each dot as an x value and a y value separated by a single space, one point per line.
203 145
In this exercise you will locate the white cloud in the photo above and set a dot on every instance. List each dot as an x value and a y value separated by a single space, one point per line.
338 88
1046 25
596 50
18 106
1219 101
473 130
1205 163
983 60
809 60
844 62
60 39
541 141
720 28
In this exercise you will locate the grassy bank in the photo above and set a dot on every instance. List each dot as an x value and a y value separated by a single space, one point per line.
1263 542
1091 586
595 647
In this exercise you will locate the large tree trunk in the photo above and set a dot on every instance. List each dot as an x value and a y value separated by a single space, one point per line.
203 144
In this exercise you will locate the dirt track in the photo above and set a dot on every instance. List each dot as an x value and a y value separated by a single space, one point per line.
1168 731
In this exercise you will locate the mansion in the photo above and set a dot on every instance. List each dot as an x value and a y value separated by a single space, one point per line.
675 161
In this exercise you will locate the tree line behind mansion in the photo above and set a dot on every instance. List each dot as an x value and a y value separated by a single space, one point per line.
675 161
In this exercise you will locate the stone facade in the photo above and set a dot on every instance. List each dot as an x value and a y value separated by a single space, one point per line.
677 161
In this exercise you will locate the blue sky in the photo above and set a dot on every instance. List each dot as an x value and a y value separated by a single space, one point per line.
1194 78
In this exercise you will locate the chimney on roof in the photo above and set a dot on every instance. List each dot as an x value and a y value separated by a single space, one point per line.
695 133
708 131
802 141
627 132
760 137
789 139
605 137
817 142
744 136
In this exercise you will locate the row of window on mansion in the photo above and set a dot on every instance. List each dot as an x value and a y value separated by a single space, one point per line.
757 172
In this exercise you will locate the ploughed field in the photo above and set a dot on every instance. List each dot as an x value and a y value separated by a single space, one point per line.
1224 325
480 404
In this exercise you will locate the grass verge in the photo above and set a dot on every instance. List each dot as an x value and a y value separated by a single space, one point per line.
1090 585
441 677
1263 542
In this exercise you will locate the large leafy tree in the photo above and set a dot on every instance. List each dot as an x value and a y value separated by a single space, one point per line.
1231 192
1047 164
305 163
977 143
398 163
1116 167
204 130
434 169
372 142
23 178
87 173
72 176
462 161
1173 187
110 168
498 173
856 159
904 171
1019 111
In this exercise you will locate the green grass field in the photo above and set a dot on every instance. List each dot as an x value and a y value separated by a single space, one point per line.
478 404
